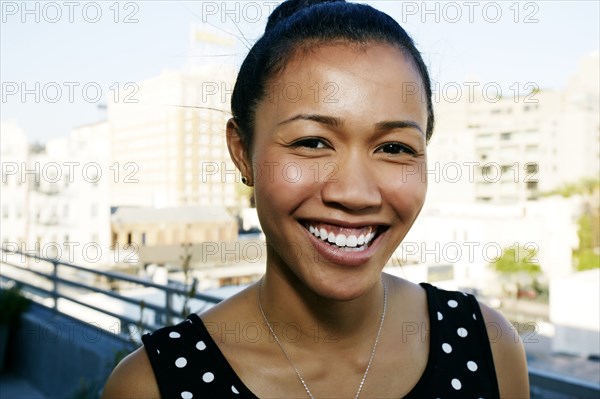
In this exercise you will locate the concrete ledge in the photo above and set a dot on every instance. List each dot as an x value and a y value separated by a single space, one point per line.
14 387
63 357
549 385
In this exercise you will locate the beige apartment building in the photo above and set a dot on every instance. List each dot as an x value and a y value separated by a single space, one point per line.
168 137
513 148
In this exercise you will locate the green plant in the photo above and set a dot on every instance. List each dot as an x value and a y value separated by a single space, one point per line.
519 271
12 305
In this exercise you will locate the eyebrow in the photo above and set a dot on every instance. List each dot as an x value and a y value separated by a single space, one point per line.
332 121
391 125
322 119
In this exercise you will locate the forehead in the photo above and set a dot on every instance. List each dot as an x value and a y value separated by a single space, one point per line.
366 81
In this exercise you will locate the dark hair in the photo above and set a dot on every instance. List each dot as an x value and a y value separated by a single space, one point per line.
297 23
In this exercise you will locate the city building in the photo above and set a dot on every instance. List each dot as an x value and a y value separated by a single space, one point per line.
470 237
515 147
68 199
14 199
148 227
168 137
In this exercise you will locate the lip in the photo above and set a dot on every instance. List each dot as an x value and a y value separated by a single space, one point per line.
344 223
343 257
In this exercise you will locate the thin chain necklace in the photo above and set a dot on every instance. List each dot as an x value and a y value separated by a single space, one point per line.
362 382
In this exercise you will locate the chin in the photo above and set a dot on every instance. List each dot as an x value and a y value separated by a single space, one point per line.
339 286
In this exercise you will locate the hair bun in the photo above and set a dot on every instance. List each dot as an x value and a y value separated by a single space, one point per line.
290 7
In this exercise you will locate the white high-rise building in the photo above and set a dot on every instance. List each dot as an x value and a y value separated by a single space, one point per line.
14 192
69 208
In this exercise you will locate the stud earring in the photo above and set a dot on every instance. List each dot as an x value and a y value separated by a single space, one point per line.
245 180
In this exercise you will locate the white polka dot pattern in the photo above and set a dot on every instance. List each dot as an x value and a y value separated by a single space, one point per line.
447 348
208 377
471 365
456 384
191 366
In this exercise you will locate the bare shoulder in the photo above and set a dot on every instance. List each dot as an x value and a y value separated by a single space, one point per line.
132 378
235 308
508 353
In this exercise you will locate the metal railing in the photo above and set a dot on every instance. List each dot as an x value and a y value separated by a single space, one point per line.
164 315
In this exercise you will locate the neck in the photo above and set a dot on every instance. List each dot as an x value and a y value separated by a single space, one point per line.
292 307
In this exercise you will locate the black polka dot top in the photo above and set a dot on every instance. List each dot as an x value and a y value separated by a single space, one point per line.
188 364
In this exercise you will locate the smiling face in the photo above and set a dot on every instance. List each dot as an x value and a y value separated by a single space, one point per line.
336 161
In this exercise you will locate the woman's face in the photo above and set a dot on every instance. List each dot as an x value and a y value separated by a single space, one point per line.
339 152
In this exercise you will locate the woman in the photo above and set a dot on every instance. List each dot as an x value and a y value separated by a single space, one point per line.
331 116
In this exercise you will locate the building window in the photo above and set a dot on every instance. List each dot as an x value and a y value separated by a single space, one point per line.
505 136
531 149
532 167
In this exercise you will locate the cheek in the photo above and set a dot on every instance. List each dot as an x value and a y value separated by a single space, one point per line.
284 184
407 193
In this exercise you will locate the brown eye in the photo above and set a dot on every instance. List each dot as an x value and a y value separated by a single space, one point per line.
396 148
312 142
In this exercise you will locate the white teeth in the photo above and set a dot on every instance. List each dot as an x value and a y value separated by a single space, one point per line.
351 242
360 240
349 249
323 234
331 238
340 240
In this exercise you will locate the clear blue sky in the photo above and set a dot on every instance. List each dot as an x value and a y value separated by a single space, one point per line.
74 49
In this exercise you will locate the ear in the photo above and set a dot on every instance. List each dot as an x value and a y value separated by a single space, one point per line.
238 151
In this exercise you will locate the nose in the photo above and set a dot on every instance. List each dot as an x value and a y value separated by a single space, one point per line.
351 185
